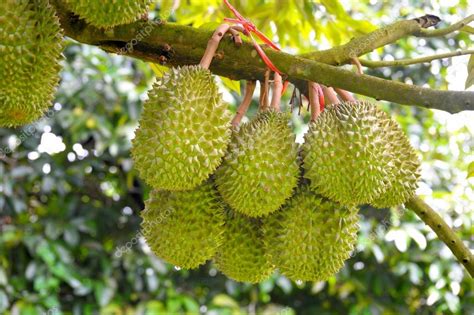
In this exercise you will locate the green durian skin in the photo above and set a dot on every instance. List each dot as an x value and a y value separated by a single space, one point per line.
349 154
109 13
184 228
310 238
184 130
260 169
30 51
405 171
242 256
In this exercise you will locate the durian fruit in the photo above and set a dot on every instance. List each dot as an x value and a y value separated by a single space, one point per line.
109 13
241 256
30 51
184 228
352 151
405 172
260 169
184 130
310 237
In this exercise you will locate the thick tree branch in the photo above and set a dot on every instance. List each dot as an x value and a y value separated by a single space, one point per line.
407 62
177 45
444 232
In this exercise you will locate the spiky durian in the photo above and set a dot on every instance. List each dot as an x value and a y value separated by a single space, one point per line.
310 238
352 151
30 50
242 255
184 130
109 13
405 172
184 228
260 169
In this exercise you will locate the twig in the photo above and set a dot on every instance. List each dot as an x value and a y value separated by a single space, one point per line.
407 62
447 30
277 89
444 232
243 107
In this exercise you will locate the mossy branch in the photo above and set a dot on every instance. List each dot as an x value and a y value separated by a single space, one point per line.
177 45
383 36
444 232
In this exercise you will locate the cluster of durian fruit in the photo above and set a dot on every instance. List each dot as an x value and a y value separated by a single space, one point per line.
247 197
31 50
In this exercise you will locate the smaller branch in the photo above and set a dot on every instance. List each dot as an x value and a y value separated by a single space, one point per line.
244 106
444 232
364 44
447 30
277 89
407 62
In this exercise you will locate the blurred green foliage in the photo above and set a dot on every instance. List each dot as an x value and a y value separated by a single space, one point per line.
70 199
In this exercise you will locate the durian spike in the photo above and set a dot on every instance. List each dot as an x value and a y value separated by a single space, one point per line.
277 90
330 95
314 100
244 105
264 92
214 41
345 96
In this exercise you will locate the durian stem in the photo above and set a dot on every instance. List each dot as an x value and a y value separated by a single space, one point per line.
213 44
407 62
234 30
345 96
444 232
277 89
356 62
330 95
244 106
314 100
264 91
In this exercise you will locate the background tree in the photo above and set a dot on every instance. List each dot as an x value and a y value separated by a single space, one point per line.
70 199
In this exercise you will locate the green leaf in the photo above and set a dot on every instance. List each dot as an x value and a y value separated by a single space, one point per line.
470 170
159 70
223 300
231 84
470 71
